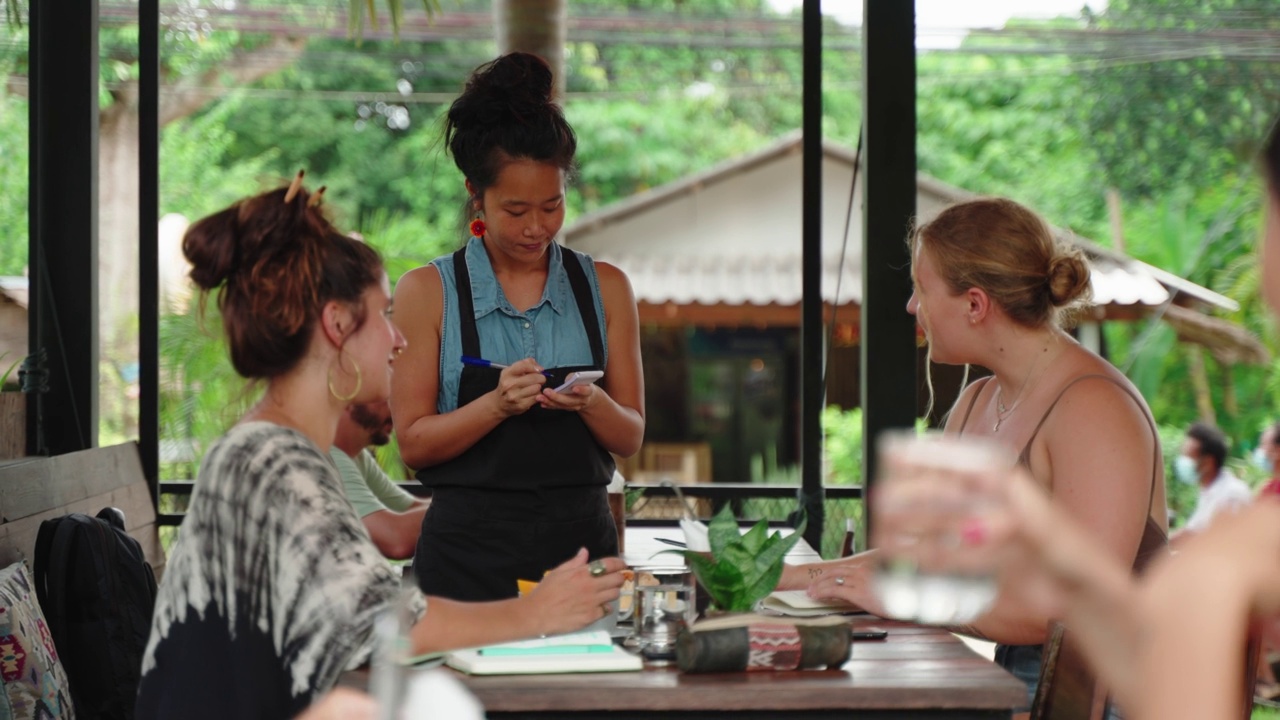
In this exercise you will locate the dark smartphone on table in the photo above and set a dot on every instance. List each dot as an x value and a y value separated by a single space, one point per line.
870 634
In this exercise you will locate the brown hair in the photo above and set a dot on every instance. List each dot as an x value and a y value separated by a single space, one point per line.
506 112
1009 252
275 265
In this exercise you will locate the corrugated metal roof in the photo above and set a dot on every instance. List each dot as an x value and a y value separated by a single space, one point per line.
765 280
731 235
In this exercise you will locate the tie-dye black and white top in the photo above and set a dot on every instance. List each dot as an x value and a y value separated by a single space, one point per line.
271 590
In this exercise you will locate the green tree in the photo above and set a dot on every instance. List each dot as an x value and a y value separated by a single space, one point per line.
1181 97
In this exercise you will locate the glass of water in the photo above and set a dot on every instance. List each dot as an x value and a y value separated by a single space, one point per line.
932 491
664 604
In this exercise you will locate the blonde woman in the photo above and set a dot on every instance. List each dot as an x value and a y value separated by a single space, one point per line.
991 284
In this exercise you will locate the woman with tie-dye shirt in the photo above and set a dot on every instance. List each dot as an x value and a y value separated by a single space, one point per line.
273 586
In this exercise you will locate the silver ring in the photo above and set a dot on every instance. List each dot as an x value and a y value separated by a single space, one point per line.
840 580
596 568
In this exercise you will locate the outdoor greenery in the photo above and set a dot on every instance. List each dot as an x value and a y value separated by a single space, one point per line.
1052 113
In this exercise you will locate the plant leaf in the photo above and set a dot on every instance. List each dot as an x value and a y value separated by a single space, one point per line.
722 530
722 580
763 585
754 539
4 376
777 547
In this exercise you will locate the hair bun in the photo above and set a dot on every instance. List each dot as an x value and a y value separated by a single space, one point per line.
1068 277
211 245
515 86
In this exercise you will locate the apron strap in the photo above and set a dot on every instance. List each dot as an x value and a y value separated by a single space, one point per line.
586 307
466 307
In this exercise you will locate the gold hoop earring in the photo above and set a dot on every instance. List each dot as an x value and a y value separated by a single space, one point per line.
359 381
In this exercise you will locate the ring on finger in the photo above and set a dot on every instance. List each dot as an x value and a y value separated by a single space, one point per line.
596 568
840 580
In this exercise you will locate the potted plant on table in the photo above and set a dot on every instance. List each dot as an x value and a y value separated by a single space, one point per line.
742 568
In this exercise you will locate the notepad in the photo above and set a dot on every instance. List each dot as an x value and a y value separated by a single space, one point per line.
580 652
797 603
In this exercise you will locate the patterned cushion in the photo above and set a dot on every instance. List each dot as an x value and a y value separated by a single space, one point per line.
34 683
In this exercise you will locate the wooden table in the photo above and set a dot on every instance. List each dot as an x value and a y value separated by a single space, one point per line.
917 672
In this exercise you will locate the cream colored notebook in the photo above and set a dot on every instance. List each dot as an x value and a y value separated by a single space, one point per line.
796 603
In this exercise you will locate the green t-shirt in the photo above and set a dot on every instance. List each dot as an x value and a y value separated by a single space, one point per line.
368 488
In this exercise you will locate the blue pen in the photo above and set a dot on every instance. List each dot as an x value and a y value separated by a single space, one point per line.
481 362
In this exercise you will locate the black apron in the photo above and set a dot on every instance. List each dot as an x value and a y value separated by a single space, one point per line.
526 496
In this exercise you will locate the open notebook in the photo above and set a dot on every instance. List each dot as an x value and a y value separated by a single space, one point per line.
797 603
579 652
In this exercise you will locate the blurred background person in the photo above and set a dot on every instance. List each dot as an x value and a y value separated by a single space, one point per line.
392 515
1266 457
1202 462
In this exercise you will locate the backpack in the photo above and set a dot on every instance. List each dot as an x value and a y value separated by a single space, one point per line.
97 592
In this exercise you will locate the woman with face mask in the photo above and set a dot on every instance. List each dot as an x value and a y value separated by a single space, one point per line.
1202 463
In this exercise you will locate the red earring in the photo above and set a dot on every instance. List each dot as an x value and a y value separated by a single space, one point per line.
477 228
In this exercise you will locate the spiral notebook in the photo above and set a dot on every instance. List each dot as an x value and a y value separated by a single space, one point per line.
581 652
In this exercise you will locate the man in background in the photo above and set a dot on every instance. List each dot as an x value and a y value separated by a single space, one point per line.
1203 462
392 516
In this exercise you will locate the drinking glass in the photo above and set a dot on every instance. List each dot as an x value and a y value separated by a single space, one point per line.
388 678
664 603
932 490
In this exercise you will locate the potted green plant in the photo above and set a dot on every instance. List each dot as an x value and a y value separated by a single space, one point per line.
743 568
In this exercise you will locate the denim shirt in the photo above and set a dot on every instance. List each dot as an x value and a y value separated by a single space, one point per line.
551 331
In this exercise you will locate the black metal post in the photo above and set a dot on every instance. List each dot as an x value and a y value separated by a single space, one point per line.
63 221
811 355
148 241
889 202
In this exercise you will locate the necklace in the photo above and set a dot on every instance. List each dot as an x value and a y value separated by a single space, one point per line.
1003 411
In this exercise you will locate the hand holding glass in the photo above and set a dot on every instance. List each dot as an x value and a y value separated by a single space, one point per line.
931 495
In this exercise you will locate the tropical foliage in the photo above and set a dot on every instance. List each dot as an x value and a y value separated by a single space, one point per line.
1052 113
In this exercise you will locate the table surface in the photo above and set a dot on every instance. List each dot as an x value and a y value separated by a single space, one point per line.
917 672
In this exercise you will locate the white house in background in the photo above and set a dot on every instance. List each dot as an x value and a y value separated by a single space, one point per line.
714 259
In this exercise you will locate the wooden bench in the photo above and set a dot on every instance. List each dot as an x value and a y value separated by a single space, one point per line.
35 489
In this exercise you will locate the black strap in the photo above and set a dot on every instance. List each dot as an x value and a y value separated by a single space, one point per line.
1024 457
973 401
582 295
586 305
466 307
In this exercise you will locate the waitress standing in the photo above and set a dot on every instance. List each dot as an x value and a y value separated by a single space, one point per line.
518 471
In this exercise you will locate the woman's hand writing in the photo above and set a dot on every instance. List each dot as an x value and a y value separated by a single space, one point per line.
518 387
